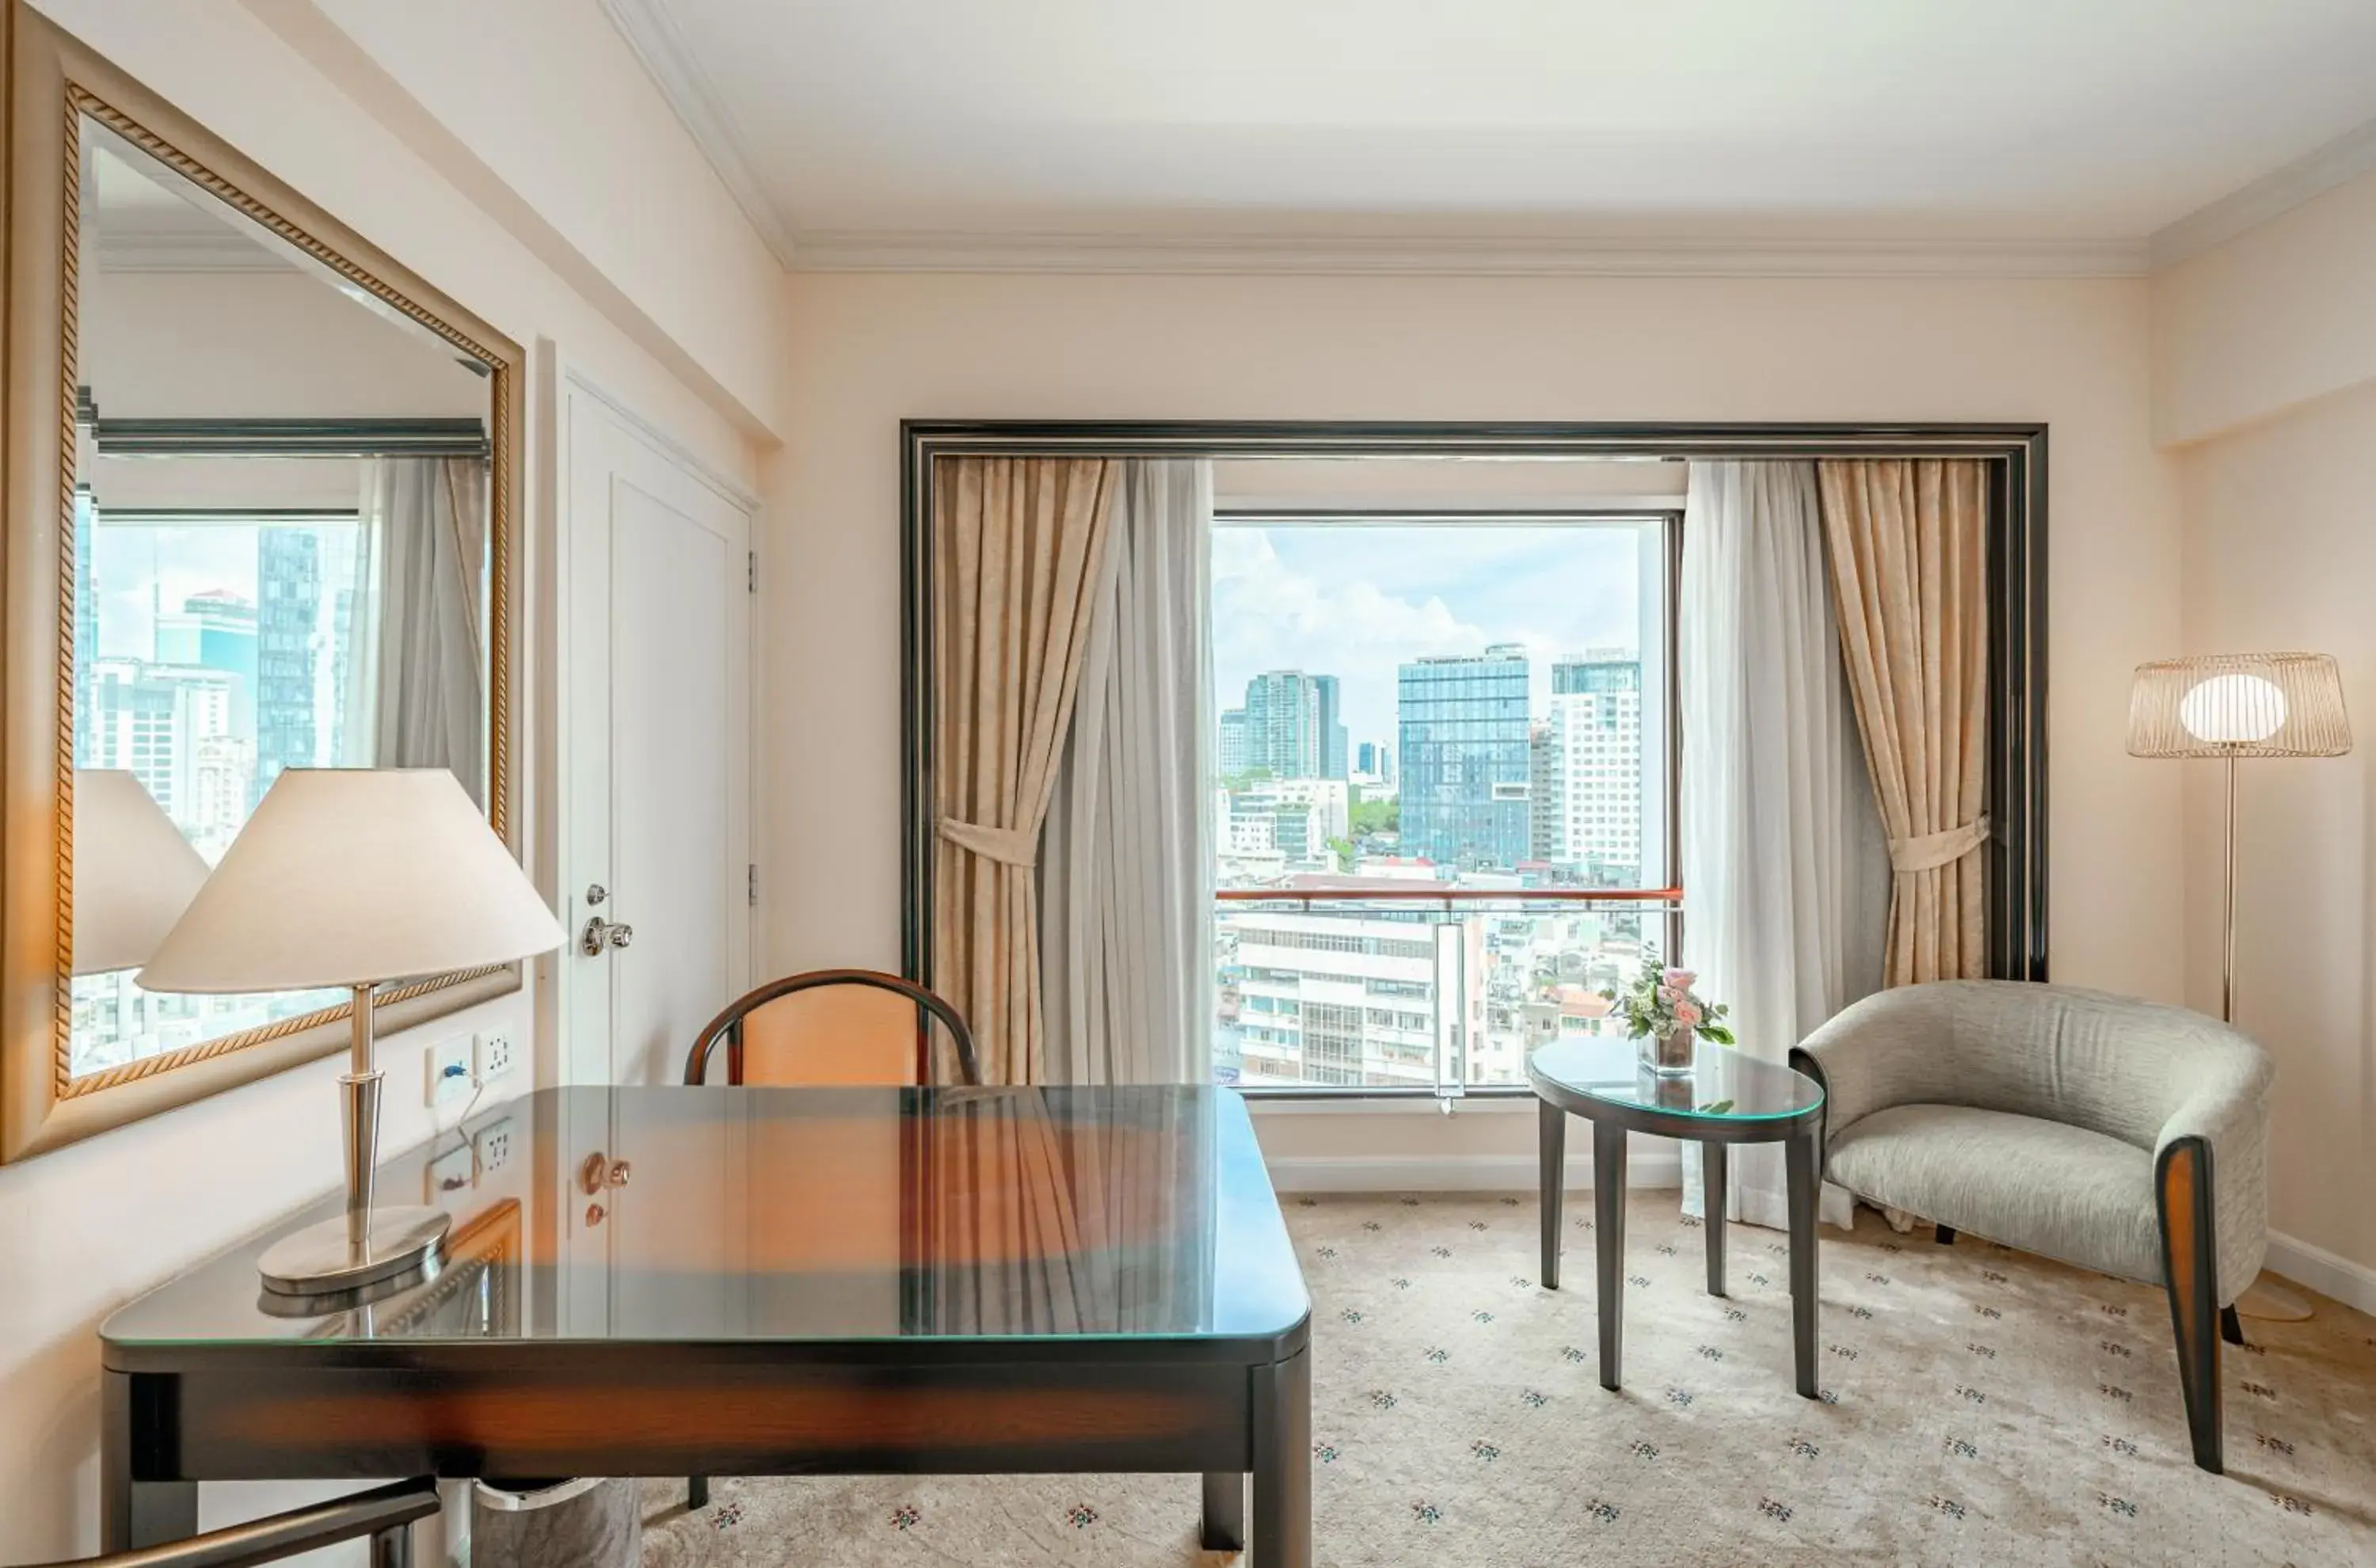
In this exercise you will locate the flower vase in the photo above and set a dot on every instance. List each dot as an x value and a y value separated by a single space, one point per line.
1668 1055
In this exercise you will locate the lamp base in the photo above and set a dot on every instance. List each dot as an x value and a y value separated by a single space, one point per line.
316 1260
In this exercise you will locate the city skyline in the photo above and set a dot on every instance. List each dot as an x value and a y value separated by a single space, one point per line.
1357 600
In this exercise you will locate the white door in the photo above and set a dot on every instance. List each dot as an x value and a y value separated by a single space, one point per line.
656 804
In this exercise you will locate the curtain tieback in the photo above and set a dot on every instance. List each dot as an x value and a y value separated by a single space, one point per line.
1009 846
1935 850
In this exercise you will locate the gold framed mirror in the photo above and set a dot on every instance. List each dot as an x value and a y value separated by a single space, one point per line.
262 492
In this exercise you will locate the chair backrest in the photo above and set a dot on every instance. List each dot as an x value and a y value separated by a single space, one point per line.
835 1027
2113 1064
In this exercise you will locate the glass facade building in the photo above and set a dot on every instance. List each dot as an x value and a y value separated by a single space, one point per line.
1463 758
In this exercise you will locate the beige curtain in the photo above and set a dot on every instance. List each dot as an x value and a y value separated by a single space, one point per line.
1907 551
1017 543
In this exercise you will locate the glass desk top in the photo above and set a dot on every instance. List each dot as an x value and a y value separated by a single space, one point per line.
1724 1085
803 1215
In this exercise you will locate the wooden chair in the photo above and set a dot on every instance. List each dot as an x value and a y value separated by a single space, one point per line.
830 1026
833 1027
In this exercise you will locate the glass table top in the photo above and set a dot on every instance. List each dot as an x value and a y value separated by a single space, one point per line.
1724 1085
721 1213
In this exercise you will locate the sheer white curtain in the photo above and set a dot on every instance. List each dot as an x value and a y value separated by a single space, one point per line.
1785 872
1126 858
417 653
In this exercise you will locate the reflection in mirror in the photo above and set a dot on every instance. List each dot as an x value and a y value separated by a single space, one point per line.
280 553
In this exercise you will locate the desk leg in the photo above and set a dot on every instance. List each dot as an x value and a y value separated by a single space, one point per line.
1609 1247
1802 1157
1282 1483
1554 1123
1715 1196
132 1512
392 1549
1224 1511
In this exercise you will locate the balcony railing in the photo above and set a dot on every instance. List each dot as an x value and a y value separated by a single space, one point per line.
1424 990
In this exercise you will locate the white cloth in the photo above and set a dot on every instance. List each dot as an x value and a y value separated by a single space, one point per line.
417 664
1785 868
1125 860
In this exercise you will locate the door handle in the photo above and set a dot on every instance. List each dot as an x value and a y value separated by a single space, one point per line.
601 933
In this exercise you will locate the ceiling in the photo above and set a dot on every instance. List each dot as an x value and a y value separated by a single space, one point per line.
2044 133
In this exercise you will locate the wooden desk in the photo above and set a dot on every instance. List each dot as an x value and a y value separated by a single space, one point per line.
836 1281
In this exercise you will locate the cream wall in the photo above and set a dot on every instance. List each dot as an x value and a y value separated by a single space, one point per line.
866 350
2277 317
86 1227
2265 366
2280 552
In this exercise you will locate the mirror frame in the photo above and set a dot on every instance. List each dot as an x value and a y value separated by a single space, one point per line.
53 81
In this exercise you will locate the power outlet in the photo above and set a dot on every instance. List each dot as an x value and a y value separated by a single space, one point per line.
493 1051
493 1143
449 1071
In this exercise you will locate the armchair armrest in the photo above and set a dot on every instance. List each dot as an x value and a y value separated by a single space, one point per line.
2226 1108
284 1535
1891 1048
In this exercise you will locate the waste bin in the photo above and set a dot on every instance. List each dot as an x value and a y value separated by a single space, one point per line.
589 1523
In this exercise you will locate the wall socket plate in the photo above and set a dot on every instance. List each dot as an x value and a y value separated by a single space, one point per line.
493 1145
491 1054
449 1071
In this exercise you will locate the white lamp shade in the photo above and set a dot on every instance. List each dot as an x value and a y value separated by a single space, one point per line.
349 876
134 873
2239 705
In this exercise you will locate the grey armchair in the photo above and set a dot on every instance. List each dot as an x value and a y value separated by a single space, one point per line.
2108 1132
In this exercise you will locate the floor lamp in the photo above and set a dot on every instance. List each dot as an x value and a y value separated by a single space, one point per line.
2231 707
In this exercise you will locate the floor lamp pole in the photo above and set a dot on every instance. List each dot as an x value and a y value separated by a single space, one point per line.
2264 1299
2227 910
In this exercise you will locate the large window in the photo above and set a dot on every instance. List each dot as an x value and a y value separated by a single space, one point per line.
1443 820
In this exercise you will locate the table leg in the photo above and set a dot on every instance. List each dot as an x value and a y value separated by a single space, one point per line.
133 1513
1282 1482
1714 1199
1224 1511
392 1549
1554 1123
1609 1246
1803 1158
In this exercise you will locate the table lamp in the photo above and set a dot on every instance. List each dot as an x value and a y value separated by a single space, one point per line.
2231 707
134 873
351 877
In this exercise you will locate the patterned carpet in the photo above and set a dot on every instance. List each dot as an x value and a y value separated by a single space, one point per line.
1981 1407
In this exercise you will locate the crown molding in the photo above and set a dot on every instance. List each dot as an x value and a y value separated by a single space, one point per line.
1478 256
2314 173
669 60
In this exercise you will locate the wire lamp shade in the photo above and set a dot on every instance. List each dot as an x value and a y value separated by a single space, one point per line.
2239 705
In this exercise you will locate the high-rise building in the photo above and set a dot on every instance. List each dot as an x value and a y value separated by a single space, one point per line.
1543 824
1333 734
149 720
214 631
289 588
1232 748
1595 729
1462 757
1291 728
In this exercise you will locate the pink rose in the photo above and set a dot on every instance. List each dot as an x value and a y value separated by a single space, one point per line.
1687 1013
1680 980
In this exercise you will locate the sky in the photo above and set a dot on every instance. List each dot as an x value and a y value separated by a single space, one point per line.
1356 600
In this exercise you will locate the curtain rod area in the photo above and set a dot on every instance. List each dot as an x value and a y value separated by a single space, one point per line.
289 438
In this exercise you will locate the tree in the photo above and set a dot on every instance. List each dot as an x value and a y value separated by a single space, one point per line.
1376 816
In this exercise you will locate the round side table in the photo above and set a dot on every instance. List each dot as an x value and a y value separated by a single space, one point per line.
1726 1099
